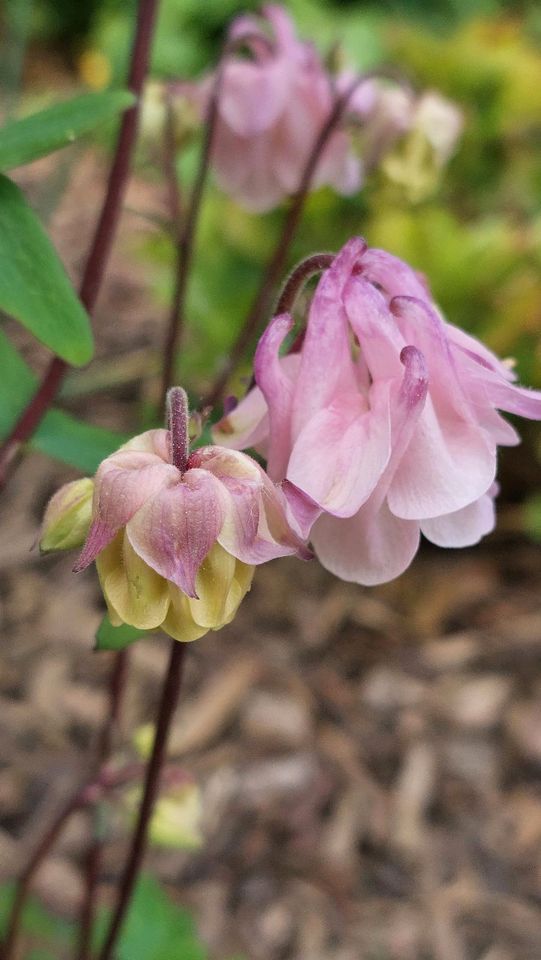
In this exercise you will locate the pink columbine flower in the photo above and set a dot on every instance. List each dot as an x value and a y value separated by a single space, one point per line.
272 107
384 424
175 535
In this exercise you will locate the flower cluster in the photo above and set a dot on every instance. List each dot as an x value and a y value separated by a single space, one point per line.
380 424
272 106
274 103
384 424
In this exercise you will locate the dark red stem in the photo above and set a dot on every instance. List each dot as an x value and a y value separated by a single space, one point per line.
44 396
263 300
87 795
103 235
169 700
298 277
185 236
117 682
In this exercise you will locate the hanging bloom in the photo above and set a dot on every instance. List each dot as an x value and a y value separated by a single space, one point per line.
416 162
384 424
271 109
175 536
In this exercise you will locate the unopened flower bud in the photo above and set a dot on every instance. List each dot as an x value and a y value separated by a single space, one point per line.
417 161
68 517
175 822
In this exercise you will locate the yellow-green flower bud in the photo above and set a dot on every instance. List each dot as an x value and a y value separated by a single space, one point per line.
176 819
68 517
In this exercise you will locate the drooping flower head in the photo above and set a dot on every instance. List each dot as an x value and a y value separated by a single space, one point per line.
272 106
384 424
434 125
175 535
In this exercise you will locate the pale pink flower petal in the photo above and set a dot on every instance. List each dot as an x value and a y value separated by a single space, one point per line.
123 483
254 95
247 425
513 399
444 468
277 390
369 548
477 351
174 530
255 527
464 527
376 329
326 366
394 277
155 442
450 460
342 451
302 511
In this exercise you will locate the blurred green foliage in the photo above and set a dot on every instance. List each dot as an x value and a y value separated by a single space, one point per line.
155 928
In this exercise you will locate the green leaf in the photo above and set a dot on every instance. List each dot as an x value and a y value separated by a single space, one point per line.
73 441
155 928
46 929
22 141
17 384
59 435
34 287
116 638
158 929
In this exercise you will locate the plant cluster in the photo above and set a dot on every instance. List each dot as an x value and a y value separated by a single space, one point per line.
369 419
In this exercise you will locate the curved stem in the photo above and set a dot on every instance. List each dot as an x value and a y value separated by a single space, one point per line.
298 277
169 700
276 265
103 236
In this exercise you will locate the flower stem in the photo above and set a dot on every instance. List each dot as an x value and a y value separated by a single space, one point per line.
103 235
276 265
169 699
89 794
298 277
185 232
